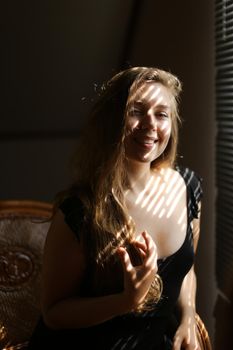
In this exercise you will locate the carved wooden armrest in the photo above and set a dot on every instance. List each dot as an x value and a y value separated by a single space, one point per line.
202 334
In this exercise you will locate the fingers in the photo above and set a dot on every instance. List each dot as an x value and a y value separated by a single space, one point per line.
138 279
177 343
180 341
150 244
125 259
142 248
148 250
151 251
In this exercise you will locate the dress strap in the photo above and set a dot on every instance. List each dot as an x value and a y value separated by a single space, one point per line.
73 211
194 190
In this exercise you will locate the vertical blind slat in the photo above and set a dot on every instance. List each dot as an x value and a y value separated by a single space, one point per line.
224 142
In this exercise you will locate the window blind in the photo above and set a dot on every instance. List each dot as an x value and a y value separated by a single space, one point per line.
224 144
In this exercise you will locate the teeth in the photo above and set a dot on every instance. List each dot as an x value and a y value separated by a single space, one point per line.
147 142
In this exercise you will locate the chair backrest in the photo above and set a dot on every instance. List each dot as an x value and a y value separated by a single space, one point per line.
23 228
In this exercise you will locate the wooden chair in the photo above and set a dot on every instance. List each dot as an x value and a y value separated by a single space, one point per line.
23 228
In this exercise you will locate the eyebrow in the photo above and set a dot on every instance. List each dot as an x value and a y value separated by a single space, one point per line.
145 102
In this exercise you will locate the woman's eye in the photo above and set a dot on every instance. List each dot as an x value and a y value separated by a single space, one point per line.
162 115
135 112
138 112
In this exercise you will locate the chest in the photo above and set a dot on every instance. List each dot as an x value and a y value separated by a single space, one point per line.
163 215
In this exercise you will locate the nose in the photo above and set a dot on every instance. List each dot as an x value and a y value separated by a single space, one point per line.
149 121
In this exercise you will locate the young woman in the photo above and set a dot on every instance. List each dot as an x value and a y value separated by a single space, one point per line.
119 253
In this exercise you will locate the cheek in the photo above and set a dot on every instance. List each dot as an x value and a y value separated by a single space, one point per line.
166 129
131 126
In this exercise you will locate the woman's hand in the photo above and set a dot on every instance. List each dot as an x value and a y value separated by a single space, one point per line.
138 279
185 336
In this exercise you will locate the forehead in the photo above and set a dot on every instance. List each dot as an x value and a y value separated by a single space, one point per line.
152 93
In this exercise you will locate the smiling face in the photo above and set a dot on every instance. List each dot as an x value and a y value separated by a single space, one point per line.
148 122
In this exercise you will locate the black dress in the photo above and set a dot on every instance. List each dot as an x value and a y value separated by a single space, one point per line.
147 330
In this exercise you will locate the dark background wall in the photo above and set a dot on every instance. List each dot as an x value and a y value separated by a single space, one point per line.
54 56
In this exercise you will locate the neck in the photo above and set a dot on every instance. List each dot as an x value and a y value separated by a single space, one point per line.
139 174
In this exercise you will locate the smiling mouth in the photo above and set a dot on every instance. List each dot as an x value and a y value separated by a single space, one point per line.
146 144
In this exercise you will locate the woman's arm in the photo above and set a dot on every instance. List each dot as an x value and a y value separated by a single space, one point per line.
186 333
187 298
63 271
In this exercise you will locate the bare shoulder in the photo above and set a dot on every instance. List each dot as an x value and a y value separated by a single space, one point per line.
63 262
60 235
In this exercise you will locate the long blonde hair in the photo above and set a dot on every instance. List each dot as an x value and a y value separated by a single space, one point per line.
100 178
